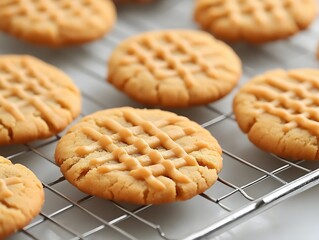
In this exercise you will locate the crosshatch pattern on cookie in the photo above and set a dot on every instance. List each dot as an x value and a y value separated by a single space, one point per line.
30 90
266 17
25 83
54 11
56 22
151 161
172 55
260 11
293 98
143 149
280 112
195 58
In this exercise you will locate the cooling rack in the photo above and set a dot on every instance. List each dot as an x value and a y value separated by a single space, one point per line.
250 182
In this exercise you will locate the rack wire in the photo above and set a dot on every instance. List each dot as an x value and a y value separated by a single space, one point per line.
251 180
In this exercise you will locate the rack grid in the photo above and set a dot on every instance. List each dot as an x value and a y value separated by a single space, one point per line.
251 180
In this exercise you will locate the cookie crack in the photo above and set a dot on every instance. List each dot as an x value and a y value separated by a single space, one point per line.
158 99
10 206
10 129
111 193
112 79
200 172
69 166
128 78
123 186
136 73
281 143
188 91
145 194
109 188
83 173
252 124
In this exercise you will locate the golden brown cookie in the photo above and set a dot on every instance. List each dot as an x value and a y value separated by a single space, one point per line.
279 111
21 197
254 21
174 68
139 156
57 23
37 100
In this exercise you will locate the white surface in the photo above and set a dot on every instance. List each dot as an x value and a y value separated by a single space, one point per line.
296 218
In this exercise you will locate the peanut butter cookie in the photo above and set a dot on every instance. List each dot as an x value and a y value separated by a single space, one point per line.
57 23
174 68
254 21
21 197
139 156
36 100
279 111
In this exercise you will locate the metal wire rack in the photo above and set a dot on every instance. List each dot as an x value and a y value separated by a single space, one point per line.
251 180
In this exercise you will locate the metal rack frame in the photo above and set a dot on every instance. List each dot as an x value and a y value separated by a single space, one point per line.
218 114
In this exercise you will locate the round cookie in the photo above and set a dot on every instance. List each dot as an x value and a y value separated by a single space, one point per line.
254 21
279 111
36 99
57 23
174 68
21 197
139 156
